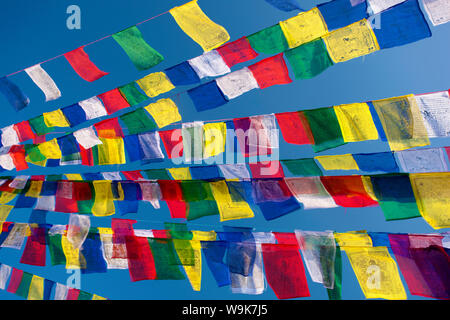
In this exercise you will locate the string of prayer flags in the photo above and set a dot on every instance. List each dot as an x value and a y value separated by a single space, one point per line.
438 11
401 24
41 78
285 5
83 66
193 21
340 13
16 98
140 53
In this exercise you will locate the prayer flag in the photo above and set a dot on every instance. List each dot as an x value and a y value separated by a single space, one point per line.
237 83
209 64
36 290
191 19
380 161
207 96
229 208
55 119
13 94
74 114
293 128
41 78
132 94
214 137
338 162
348 191
340 13
310 192
137 121
270 71
110 151
236 52
86 137
266 169
356 122
182 74
438 11
302 167
270 40
113 101
83 66
164 111
155 83
434 109
93 108
376 6
173 142
422 160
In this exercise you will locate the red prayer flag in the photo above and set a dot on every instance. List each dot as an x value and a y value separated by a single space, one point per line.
113 101
160 234
34 252
177 209
24 131
87 158
266 169
293 129
285 272
173 142
170 190
17 154
133 175
286 238
72 294
236 52
109 128
81 191
80 62
271 71
14 280
348 191
66 205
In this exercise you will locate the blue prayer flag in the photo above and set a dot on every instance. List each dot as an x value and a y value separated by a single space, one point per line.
13 94
207 96
182 74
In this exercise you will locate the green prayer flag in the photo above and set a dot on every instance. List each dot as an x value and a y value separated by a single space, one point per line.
303 167
54 177
196 190
165 259
336 292
140 53
138 121
132 94
309 59
158 174
395 210
270 40
200 209
24 285
325 128
181 237
39 127
56 252
33 152
83 295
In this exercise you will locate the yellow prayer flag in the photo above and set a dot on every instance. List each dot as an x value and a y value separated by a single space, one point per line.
367 183
55 119
96 297
111 151
304 27
353 239
50 149
432 197
356 122
352 41
35 189
402 122
74 258
229 209
104 199
155 84
194 272
164 111
36 290
204 235
180 173
105 230
6 197
4 211
196 24
338 162
73 176
214 138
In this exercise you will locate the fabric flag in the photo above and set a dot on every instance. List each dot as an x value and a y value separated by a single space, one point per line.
35 251
380 161
109 128
164 111
207 96
237 83
74 114
352 41
137 121
253 283
132 94
74 259
78 229
39 127
270 40
348 191
5 272
402 24
284 270
376 272
44 82
165 259
191 19
13 94
377 6
356 122
87 137
270 71
309 59
434 109
214 137
55 119
402 122
155 83
302 167
395 196
83 66
110 151
236 52
24 131
140 53
319 252
182 74
106 237
113 101
93 108
60 292
285 5
234 171
325 128
180 173
438 11
293 128
209 64
304 27
229 208
310 192
422 160
431 193
214 252
338 162
150 144
9 136
266 169
173 142
340 13
36 290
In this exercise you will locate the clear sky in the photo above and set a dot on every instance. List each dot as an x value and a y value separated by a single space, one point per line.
33 31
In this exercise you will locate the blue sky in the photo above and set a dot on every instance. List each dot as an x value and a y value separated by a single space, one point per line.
33 31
